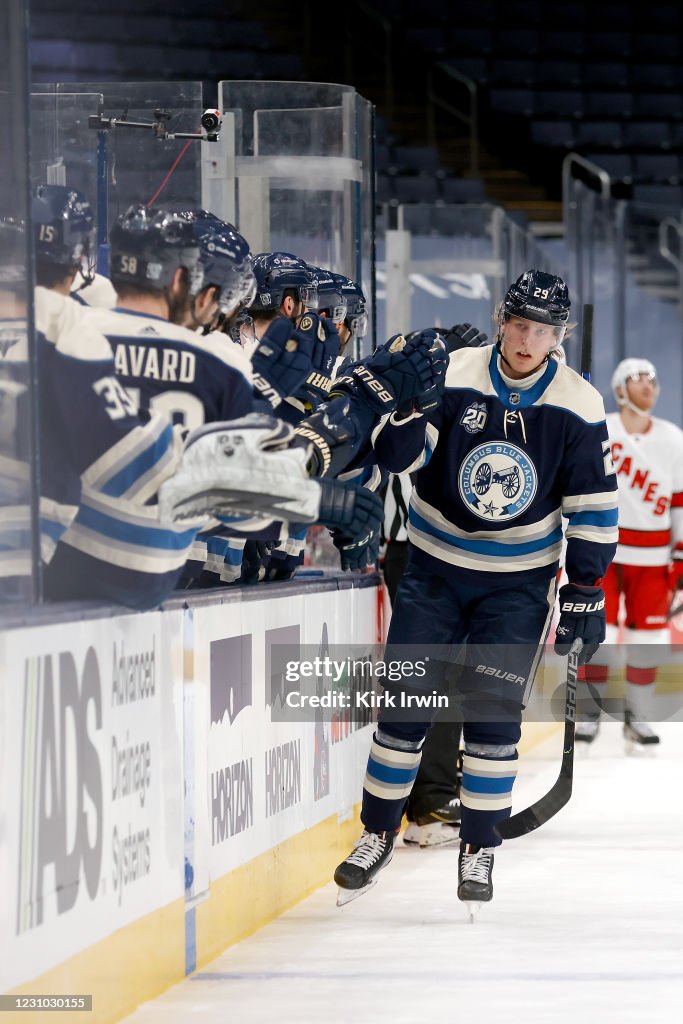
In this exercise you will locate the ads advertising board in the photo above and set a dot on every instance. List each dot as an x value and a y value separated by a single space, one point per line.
91 773
268 779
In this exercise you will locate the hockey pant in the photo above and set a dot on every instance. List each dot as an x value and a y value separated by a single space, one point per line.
497 628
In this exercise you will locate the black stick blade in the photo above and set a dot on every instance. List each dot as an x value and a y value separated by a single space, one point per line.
533 817
558 795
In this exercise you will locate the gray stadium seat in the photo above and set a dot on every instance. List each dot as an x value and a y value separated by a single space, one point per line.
609 104
553 103
599 134
554 134
647 134
462 190
660 167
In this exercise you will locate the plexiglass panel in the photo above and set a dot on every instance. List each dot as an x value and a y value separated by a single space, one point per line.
17 572
119 165
295 173
445 264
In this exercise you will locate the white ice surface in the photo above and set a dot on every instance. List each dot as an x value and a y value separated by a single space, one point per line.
586 924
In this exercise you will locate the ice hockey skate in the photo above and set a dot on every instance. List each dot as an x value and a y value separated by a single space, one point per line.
436 828
639 737
586 732
475 873
358 872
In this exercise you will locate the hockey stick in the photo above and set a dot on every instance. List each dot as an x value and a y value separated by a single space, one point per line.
587 341
556 797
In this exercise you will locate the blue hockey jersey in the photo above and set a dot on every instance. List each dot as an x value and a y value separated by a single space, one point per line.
500 463
168 368
101 464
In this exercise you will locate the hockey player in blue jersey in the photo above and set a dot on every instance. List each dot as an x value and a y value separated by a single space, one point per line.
64 238
518 442
65 246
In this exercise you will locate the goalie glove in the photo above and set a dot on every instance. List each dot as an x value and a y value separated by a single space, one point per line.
252 467
281 361
582 615
242 468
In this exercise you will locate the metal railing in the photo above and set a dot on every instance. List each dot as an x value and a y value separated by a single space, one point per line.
666 227
595 224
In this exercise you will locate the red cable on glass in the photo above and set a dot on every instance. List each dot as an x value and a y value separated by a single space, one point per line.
175 163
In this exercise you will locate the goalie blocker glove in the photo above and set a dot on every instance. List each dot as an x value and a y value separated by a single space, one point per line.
582 615
253 467
401 373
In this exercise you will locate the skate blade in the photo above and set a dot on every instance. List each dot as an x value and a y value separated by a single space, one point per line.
345 896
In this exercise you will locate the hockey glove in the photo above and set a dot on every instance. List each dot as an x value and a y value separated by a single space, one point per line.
255 561
676 571
582 614
356 554
325 348
400 373
352 509
282 565
281 361
333 436
464 336
457 337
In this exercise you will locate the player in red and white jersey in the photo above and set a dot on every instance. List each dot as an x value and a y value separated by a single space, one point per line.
648 458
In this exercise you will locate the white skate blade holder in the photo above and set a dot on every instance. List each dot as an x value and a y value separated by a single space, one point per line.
345 896
435 833
632 748
472 908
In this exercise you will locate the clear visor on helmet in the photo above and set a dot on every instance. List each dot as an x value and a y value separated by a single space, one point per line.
308 294
189 258
240 292
85 256
358 324
242 329
533 328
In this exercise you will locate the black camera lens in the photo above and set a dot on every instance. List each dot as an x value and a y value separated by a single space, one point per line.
211 121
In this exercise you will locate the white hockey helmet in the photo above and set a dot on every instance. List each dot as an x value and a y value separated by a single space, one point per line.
631 369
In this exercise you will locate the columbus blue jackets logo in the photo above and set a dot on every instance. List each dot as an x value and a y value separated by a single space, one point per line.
474 417
497 481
